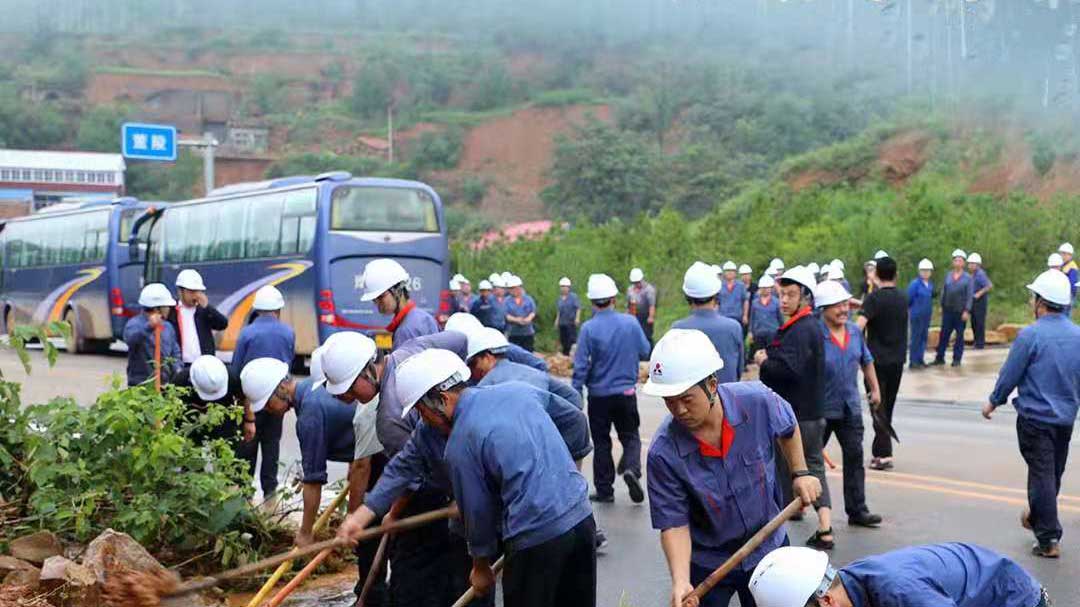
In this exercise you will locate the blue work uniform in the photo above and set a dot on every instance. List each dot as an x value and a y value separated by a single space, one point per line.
1044 367
843 409
765 319
511 472
489 312
920 309
506 371
724 495
265 337
956 298
465 302
939 575
568 308
726 336
498 314
139 337
610 346
415 323
521 310
324 429
979 306
731 298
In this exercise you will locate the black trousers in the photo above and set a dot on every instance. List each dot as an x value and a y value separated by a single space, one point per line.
978 321
558 573
567 337
647 328
813 435
1045 448
379 595
523 341
951 322
735 583
621 411
888 376
849 432
268 438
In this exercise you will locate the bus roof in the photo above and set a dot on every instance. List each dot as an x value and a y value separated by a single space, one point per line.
283 182
65 208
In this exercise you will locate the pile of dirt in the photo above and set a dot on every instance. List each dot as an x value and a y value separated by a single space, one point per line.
903 155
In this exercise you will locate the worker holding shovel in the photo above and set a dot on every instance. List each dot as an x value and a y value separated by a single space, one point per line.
711 479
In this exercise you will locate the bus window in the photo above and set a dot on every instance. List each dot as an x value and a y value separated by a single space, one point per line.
264 226
298 222
377 209
228 235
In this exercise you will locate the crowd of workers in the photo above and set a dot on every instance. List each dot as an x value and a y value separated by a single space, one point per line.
468 414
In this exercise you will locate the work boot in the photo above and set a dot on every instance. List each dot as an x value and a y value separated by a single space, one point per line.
1048 550
601 539
955 363
602 498
865 519
636 494
938 362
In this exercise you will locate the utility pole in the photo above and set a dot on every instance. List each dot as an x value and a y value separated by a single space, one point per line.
207 144
851 31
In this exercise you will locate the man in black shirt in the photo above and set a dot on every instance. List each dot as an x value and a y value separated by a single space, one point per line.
884 317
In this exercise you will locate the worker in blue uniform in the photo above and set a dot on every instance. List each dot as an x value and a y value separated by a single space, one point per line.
934 575
1044 367
956 300
156 302
980 299
520 314
700 286
487 309
920 294
387 284
765 315
732 298
488 362
711 476
610 346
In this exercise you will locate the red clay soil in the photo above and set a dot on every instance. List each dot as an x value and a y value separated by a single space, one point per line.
814 177
107 88
1014 170
903 155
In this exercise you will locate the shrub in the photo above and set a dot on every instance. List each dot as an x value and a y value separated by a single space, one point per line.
437 150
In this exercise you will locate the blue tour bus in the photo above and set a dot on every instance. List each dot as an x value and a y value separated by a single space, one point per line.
72 263
309 236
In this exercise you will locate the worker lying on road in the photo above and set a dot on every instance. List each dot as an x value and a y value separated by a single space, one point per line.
156 302
935 575
710 475
513 477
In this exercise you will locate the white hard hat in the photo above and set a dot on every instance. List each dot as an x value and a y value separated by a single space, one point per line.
485 339
716 269
564 282
496 280
926 264
485 285
316 365
681 359
515 281
460 278
260 378
636 275
268 299
1054 261
455 285
425 370
814 268
601 286
344 359
802 276
766 282
1053 286
379 276
975 258
729 266
771 271
959 253
505 276
790 576
872 263
700 281
838 263
1065 248
835 273
830 292
209 377
777 263
463 322
745 269
880 254
191 280
156 295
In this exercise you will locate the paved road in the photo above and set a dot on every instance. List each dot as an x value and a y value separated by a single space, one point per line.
958 477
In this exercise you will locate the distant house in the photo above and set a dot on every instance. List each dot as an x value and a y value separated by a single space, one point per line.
31 179
527 230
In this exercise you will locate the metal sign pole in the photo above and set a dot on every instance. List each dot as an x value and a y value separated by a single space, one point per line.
207 144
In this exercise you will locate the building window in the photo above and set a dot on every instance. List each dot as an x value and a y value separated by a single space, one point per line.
57 176
69 176
5 174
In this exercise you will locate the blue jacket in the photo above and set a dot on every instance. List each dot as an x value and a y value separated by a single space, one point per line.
1044 365
511 471
489 312
939 575
265 337
842 364
920 297
957 294
506 371
324 429
726 336
416 323
608 351
765 320
528 306
731 302
568 308
139 337
979 281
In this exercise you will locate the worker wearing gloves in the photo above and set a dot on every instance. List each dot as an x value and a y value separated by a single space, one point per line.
488 362
156 302
765 315
609 348
845 353
710 474
700 286
793 365
956 299
387 284
266 337
209 382
567 315
194 319
732 296
981 285
934 575
514 480
520 314
1044 367
920 296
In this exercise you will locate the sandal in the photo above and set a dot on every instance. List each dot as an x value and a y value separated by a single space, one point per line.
817 542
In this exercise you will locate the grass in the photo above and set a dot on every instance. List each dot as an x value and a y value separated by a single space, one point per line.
139 71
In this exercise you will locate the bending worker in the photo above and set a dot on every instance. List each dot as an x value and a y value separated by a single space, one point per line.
387 284
1044 366
710 470
701 286
935 575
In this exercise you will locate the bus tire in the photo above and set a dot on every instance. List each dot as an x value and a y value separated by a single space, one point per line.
75 343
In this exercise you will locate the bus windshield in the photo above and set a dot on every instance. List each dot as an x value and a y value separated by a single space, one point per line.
379 209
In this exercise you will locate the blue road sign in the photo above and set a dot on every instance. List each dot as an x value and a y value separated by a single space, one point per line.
148 141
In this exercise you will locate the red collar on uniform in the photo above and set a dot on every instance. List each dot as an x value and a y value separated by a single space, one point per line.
847 339
400 316
727 436
803 313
